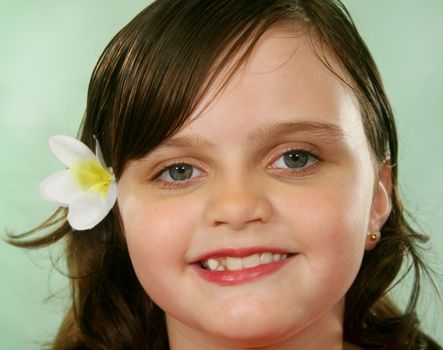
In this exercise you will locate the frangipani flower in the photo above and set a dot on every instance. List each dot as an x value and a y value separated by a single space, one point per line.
87 187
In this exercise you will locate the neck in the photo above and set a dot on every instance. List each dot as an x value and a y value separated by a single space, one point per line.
324 333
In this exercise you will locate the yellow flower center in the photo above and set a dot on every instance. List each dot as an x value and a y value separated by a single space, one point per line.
91 176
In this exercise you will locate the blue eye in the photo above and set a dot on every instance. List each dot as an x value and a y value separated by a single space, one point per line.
295 159
179 172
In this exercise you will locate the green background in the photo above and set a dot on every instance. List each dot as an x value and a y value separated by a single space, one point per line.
48 49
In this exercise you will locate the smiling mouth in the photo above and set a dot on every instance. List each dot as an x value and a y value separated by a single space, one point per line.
229 263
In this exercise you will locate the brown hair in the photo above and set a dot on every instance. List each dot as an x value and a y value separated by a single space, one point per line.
147 82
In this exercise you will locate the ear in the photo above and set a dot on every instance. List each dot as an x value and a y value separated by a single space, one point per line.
381 204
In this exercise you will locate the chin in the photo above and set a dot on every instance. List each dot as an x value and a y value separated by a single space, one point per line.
254 331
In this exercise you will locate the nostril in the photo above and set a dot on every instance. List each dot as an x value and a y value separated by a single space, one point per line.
238 210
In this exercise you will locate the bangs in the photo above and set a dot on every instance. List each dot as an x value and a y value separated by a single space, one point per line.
155 71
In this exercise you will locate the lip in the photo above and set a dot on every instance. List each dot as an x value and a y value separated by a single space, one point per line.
246 275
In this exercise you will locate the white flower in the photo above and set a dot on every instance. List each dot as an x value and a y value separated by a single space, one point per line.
87 187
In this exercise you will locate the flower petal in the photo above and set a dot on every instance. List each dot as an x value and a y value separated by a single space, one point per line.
88 210
111 196
69 150
99 154
60 188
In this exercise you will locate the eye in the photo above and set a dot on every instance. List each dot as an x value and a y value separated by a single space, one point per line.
295 159
179 172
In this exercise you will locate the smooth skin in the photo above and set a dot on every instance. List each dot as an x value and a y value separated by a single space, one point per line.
237 190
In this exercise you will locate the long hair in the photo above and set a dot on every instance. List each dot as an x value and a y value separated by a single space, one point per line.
147 82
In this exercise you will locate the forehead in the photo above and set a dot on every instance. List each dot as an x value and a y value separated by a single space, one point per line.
283 81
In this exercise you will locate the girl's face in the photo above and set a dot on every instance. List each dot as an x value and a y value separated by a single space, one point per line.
249 225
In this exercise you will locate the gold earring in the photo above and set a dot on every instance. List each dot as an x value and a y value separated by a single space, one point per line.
372 240
374 236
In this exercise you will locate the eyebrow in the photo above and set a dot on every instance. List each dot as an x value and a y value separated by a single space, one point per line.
186 142
316 129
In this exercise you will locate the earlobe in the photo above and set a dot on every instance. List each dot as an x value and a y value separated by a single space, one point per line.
381 205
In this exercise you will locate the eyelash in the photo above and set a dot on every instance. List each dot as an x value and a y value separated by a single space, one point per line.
306 169
170 183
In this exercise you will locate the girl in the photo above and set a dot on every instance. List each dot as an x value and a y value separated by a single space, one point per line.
252 200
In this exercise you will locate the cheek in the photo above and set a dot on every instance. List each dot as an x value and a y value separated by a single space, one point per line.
157 237
154 226
330 224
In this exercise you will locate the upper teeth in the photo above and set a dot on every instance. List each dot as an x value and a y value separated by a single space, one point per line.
230 263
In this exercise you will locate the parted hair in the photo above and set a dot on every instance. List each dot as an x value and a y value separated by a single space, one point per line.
147 82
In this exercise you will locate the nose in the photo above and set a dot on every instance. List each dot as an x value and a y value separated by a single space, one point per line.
237 205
